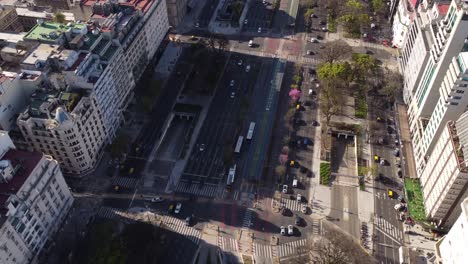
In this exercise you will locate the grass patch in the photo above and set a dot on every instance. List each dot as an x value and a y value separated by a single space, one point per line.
360 105
415 199
325 173
332 25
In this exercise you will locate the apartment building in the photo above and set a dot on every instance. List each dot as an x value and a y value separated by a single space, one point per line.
445 177
112 51
415 51
66 125
14 90
35 201
28 17
176 10
404 15
9 21
435 100
451 249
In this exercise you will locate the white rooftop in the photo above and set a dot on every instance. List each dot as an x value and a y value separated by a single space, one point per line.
37 14
12 37
41 53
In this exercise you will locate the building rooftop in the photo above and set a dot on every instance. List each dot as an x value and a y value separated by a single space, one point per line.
142 5
4 75
44 104
41 53
11 37
23 163
30 13
48 31
443 8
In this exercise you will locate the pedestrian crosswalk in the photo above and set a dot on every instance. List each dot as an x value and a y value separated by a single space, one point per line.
388 229
247 221
200 190
292 248
180 227
110 213
264 251
292 205
125 182
316 226
228 244
302 59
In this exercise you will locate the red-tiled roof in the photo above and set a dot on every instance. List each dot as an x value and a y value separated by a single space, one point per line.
28 161
443 8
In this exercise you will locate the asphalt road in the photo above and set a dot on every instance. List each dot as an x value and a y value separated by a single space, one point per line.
258 16
388 229
221 127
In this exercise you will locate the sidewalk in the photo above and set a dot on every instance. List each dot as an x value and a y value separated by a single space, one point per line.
409 165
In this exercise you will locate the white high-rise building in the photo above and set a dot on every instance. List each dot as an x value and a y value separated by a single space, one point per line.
415 51
106 55
438 96
34 202
445 176
404 15
65 125
452 248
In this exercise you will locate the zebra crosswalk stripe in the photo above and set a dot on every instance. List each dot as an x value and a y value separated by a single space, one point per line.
262 250
125 182
179 227
292 205
291 248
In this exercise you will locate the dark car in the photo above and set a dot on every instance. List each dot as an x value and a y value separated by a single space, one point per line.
312 71
298 220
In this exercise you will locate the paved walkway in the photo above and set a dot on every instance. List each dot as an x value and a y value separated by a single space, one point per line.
409 165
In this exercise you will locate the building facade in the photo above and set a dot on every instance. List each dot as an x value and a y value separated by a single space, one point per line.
444 179
404 15
451 249
176 10
428 110
65 125
9 21
35 201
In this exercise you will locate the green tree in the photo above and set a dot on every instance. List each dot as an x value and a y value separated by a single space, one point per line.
335 73
308 16
362 64
332 100
59 18
378 6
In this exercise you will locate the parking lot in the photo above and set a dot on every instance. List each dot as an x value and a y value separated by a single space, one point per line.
258 16
223 122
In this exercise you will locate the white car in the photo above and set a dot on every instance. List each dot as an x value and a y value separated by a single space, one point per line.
304 209
299 198
233 94
382 162
314 40
251 43
202 147
240 62
247 68
232 83
245 22
157 199
290 230
285 189
259 30
178 207
282 230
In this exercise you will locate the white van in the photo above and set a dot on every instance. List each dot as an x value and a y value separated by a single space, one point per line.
294 185
250 43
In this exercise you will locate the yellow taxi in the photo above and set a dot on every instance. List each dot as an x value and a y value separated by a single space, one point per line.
390 193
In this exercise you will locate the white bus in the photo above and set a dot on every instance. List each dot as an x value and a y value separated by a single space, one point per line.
251 131
239 145
231 176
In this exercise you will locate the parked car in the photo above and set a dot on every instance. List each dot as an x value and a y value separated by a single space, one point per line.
232 82
202 147
282 230
240 62
396 152
290 230
259 30
299 197
304 209
309 52
171 208
157 199
314 40
247 68
285 189
188 221
178 207
298 220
